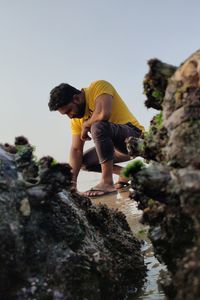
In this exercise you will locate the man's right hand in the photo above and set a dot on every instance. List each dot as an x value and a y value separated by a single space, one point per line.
84 133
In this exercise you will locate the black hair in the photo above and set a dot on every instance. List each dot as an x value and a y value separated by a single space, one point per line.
61 95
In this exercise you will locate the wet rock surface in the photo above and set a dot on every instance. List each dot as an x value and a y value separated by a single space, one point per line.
168 189
54 243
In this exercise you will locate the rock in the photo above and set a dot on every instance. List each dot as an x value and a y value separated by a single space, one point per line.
168 190
54 243
156 81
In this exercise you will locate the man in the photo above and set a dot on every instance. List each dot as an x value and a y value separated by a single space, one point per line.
98 112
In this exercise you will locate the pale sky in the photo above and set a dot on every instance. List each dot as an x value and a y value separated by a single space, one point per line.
46 42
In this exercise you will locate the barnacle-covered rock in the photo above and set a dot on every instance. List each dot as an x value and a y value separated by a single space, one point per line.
55 244
168 190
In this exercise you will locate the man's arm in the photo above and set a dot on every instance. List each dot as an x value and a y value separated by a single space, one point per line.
102 112
76 157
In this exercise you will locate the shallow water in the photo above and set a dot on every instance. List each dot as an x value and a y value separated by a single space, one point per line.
122 202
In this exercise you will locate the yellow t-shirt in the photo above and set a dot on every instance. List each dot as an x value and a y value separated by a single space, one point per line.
120 112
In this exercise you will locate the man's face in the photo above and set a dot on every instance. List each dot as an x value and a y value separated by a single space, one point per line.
74 109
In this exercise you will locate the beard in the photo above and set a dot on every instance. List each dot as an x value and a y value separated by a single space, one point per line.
80 110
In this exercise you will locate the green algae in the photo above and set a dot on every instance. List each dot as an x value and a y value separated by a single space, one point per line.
158 95
156 125
142 233
158 120
133 167
151 202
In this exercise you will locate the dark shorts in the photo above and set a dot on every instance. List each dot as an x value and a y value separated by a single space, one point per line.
109 140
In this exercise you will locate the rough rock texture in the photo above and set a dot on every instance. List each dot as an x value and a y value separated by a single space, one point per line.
55 245
168 190
156 81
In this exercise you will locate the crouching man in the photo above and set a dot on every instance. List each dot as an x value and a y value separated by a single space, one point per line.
101 112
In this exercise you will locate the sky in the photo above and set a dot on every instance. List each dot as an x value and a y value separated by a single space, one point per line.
47 42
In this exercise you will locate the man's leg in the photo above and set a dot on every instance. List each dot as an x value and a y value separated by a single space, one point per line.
101 135
91 164
91 161
119 134
107 135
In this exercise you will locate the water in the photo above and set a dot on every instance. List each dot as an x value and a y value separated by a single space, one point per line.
122 202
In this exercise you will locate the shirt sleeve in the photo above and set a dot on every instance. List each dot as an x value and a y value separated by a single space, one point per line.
102 87
75 126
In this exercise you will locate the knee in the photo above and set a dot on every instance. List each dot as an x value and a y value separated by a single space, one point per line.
98 128
91 168
84 167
